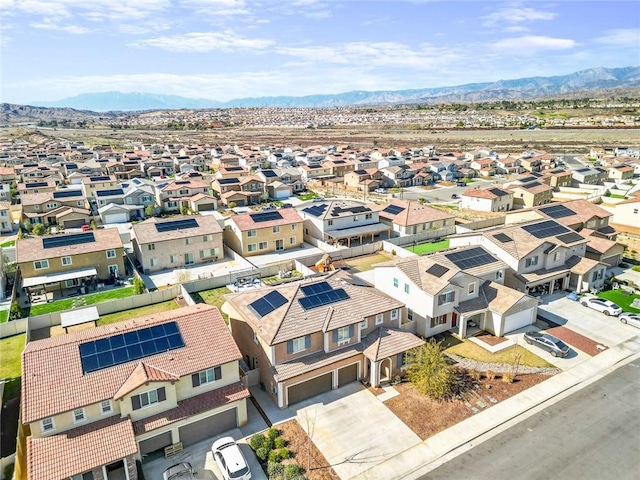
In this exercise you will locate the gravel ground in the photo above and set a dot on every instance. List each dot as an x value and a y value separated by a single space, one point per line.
499 367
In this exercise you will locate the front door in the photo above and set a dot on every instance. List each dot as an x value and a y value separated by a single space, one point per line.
113 270
454 319
188 258
279 245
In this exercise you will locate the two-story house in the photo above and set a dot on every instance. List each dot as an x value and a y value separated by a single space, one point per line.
557 178
6 224
444 291
316 335
339 221
588 176
408 217
531 194
493 199
265 232
59 262
159 167
137 386
161 244
36 187
185 194
363 180
100 182
619 173
66 208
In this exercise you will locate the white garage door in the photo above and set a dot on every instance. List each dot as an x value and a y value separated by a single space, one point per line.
115 218
518 320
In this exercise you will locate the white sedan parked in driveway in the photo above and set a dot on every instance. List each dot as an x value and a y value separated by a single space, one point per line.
630 318
602 305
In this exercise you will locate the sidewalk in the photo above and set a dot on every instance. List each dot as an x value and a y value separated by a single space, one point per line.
415 461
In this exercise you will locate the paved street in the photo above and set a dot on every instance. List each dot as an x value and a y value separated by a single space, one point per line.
592 434
443 194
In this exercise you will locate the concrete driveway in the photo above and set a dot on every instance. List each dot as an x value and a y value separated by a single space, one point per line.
353 429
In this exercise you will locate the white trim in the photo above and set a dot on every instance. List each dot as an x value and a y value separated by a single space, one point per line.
53 425
102 411
84 415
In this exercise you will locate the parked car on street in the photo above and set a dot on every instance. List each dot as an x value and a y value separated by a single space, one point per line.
179 471
230 459
546 341
630 318
455 196
602 305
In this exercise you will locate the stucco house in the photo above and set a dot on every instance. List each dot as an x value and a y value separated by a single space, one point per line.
493 199
408 217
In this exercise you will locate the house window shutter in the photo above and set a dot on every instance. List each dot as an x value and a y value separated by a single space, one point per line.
307 341
217 373
335 335
195 380
162 395
135 402
440 300
290 346
350 330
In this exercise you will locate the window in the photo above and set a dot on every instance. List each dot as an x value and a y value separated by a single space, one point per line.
294 226
379 318
263 245
146 399
41 264
299 344
597 275
78 415
448 297
188 241
556 256
441 320
251 247
151 246
188 258
207 238
531 262
368 216
635 210
252 233
276 229
499 275
329 222
409 314
37 207
471 289
71 283
52 205
172 259
153 262
343 334
407 288
206 376
364 324
105 407
394 314
48 425
111 253
292 240
395 282
355 218
66 261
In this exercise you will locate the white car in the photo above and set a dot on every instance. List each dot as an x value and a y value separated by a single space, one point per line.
630 318
602 305
230 459
179 471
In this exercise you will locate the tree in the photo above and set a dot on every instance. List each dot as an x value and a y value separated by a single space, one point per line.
138 286
39 229
20 234
183 276
430 372
94 225
150 210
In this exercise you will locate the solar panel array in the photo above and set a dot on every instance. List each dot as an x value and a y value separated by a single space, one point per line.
336 211
126 347
316 210
176 225
109 193
503 238
66 240
99 179
473 257
526 179
570 237
546 229
227 181
67 193
393 209
531 185
316 288
498 192
267 304
269 173
437 270
557 211
324 298
265 217
36 184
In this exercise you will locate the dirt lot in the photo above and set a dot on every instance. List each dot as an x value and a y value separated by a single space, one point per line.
427 417
305 453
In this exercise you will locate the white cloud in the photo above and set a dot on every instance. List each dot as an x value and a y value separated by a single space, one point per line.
532 44
74 29
516 29
204 42
516 14
623 37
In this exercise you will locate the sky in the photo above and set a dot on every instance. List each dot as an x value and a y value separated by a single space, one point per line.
226 49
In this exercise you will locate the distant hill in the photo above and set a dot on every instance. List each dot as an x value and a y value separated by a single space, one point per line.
624 81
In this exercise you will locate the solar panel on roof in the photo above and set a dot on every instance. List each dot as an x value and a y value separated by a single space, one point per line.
316 288
557 211
176 225
66 240
122 348
531 185
226 181
99 179
437 270
324 298
570 237
503 238
393 209
316 210
526 179
267 304
548 228
265 217
67 193
109 193
497 192
36 184
269 173
470 258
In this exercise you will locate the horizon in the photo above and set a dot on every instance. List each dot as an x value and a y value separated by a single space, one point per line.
221 50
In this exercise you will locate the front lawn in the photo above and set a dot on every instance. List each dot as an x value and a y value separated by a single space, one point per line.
138 312
215 297
475 352
429 247
306 197
80 301
4 315
10 243
621 298
10 367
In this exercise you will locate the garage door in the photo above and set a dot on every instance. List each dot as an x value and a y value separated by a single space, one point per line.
518 320
310 388
155 443
74 223
115 218
208 427
205 207
347 374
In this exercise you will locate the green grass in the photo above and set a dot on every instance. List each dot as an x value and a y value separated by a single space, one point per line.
472 351
10 367
307 196
429 247
138 312
4 316
10 243
90 299
615 195
468 180
213 297
621 298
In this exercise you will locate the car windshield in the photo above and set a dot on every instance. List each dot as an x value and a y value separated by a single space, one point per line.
240 472
560 344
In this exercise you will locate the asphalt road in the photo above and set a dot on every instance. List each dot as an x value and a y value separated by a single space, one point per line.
592 434
443 194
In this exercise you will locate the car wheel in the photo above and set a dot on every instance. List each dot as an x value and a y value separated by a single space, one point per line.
585 304
623 320
554 353
606 312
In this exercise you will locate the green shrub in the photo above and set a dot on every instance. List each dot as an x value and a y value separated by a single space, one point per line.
280 442
138 286
274 456
257 441
275 470
283 453
636 268
293 472
262 453
273 433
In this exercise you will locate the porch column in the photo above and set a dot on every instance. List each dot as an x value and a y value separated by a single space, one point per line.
462 327
126 469
373 374
280 395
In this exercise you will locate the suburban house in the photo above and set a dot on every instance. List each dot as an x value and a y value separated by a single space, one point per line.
338 221
181 194
445 290
408 217
312 336
6 224
363 180
314 171
36 187
619 173
265 232
177 242
508 165
531 194
397 175
238 191
580 214
493 199
101 182
588 176
65 208
159 167
58 262
557 178
139 386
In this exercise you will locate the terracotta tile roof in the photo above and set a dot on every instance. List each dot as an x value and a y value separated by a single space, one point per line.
309 363
193 406
189 184
484 192
80 449
146 231
30 249
142 374
413 213
245 221
51 368
385 342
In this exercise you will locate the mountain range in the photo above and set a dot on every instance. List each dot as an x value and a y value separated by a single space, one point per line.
595 79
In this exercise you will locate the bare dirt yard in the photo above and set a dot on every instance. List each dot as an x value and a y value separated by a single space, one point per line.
304 453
